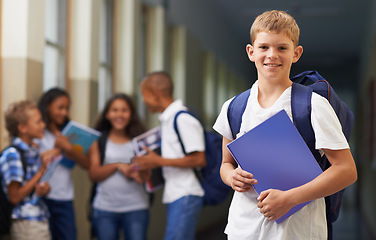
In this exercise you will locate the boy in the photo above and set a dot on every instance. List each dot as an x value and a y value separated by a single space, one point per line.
183 193
274 38
24 123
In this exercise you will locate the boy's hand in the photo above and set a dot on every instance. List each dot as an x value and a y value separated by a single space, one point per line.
148 161
274 203
241 180
46 160
42 189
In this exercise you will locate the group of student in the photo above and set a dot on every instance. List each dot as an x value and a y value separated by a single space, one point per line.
121 202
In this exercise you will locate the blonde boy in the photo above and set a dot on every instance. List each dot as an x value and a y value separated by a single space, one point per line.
275 39
24 123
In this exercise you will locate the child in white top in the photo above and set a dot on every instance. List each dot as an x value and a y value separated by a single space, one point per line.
120 202
274 48
54 106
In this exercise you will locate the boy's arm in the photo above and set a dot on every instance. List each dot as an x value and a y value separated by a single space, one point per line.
153 160
16 192
231 174
273 203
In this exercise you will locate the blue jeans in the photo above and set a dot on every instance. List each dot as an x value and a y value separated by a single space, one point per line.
108 224
182 217
62 221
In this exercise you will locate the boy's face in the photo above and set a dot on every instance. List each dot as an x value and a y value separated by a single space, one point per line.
150 99
273 54
34 127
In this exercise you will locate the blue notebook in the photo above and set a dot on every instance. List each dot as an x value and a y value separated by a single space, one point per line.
80 136
277 156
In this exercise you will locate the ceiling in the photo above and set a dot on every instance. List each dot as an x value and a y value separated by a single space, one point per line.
332 31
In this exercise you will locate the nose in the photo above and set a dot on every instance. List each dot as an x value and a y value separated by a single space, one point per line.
272 53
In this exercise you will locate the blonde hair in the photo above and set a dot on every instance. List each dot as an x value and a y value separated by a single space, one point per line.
17 113
277 21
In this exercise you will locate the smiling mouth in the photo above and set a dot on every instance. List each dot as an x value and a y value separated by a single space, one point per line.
272 65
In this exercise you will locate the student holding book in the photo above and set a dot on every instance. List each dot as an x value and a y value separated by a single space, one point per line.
273 49
21 168
54 107
121 201
183 192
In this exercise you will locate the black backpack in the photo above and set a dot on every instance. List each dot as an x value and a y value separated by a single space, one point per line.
6 207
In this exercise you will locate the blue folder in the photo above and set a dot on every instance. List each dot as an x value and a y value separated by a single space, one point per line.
277 156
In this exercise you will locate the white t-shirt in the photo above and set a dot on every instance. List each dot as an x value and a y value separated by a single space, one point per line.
245 220
117 193
61 180
180 182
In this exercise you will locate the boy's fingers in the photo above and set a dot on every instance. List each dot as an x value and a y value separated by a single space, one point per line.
243 173
262 196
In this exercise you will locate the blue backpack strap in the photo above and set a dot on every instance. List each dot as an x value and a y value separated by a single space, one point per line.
301 114
235 111
177 130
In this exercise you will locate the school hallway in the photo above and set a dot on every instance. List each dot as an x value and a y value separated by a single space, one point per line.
349 225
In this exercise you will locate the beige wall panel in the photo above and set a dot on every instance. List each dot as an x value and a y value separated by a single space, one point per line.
126 57
84 110
34 81
82 188
21 79
84 95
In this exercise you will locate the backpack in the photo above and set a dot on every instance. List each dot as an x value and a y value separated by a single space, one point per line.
215 190
6 207
301 112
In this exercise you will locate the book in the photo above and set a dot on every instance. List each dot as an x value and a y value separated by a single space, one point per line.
47 175
80 136
152 140
277 156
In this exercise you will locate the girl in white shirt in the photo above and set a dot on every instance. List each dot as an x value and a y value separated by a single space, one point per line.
54 107
120 202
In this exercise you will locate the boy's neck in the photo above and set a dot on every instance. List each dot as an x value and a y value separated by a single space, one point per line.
270 90
165 103
26 139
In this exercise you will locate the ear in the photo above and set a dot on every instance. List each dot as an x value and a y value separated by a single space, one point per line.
297 53
250 50
22 128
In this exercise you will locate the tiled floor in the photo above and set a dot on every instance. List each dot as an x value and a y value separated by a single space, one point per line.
349 225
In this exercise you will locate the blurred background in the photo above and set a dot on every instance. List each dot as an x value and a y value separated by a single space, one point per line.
94 48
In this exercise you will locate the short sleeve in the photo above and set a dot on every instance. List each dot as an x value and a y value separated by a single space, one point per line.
11 167
191 133
327 128
222 125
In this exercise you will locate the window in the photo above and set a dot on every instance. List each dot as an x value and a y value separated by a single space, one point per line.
55 48
105 75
